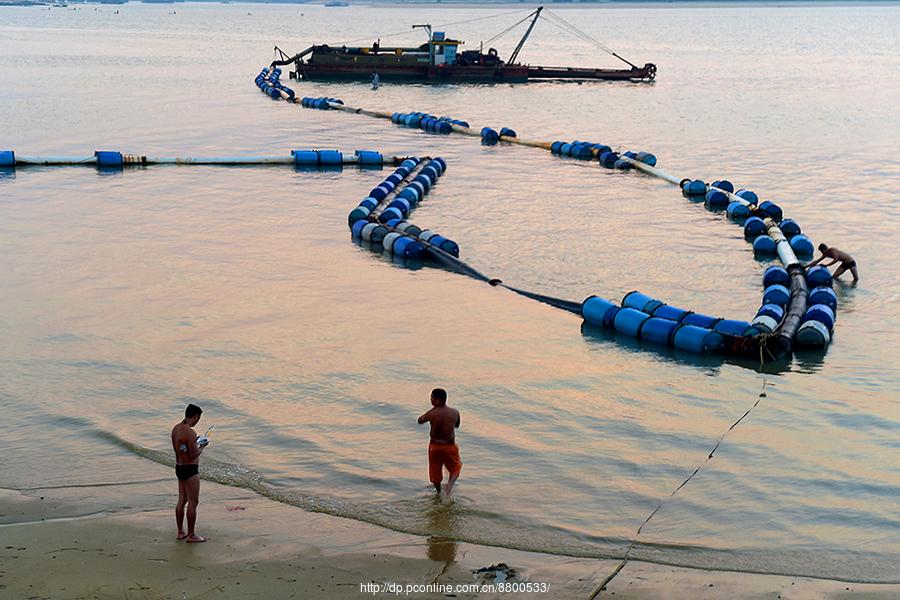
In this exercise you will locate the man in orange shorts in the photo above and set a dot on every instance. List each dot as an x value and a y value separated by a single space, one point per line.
442 449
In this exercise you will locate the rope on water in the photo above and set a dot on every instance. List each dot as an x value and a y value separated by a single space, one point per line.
573 30
634 541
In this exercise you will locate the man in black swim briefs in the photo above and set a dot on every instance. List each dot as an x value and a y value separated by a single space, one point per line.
837 256
187 457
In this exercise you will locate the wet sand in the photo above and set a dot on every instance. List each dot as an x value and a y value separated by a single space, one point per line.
118 542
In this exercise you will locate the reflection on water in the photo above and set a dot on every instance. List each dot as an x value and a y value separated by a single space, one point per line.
440 517
123 296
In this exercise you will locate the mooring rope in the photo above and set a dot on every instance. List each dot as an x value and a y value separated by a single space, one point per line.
640 529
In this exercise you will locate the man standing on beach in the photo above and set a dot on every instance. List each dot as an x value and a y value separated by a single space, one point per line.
187 470
442 449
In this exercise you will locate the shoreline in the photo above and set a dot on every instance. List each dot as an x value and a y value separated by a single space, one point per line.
261 548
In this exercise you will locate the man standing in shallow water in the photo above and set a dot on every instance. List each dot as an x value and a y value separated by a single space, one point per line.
442 448
187 470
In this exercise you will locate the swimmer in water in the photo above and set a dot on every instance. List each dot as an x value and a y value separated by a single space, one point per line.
442 448
187 457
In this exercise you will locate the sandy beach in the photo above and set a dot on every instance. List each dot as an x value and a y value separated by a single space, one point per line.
117 541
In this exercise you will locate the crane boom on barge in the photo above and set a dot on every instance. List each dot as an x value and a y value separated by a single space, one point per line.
439 60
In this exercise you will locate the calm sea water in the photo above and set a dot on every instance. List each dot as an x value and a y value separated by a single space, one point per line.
124 296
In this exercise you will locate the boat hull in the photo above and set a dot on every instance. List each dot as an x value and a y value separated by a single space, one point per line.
472 73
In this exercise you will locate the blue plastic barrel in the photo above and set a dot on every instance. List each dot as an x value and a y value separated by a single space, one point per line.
764 324
369 157
556 147
658 330
698 340
376 235
812 335
357 227
378 193
436 240
753 228
822 314
802 245
450 247
724 184
608 159
818 276
772 209
305 158
489 136
629 321
566 149
408 248
732 327
7 158
696 187
716 199
412 195
773 311
737 211
417 185
595 309
389 239
507 132
390 213
789 228
672 313
641 302
747 195
775 274
764 245
647 158
432 171
699 320
776 294
360 212
823 295
402 204
441 163
330 158
582 152
107 158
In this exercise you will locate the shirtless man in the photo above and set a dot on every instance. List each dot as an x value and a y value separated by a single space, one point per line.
837 256
442 449
187 457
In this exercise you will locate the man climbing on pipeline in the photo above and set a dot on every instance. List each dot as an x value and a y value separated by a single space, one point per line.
837 256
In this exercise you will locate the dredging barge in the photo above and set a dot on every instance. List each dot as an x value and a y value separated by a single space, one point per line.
440 60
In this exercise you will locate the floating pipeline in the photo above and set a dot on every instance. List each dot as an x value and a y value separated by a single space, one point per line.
739 205
105 159
400 192
384 193
649 319
426 122
268 81
319 103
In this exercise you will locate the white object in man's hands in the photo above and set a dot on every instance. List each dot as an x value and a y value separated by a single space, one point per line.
203 440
